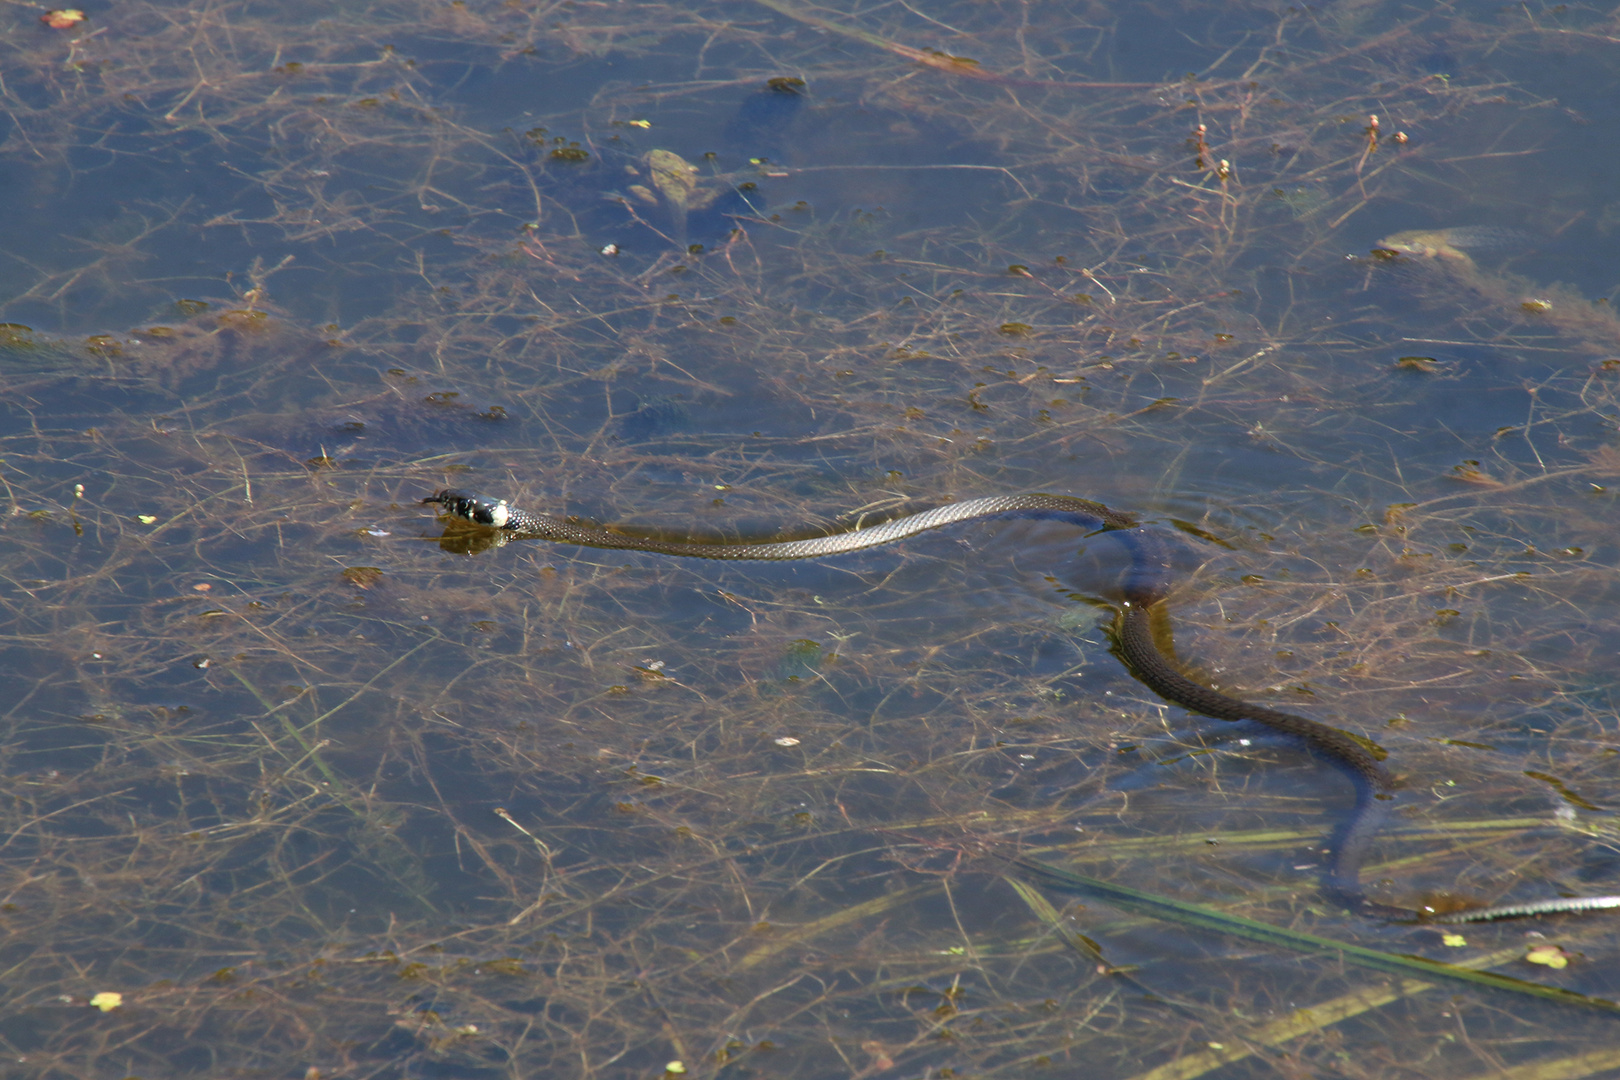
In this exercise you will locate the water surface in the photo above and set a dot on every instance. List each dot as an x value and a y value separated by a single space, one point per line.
321 788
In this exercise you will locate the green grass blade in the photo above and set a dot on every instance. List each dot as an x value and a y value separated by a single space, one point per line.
1204 918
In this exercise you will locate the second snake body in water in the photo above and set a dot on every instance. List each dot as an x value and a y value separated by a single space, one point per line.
1146 585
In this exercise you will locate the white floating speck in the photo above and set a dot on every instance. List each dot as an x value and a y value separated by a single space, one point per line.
786 740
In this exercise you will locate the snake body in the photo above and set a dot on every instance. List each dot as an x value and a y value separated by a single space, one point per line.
1146 585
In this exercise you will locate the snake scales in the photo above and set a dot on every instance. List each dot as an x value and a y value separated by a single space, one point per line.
1146 585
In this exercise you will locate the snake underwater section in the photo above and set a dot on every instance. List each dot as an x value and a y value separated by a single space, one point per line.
1301 315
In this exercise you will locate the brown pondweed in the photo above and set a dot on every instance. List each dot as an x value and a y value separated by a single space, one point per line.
311 791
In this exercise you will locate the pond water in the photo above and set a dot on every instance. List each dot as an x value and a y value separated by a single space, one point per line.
303 781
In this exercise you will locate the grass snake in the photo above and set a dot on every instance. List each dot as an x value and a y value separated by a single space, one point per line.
1146 585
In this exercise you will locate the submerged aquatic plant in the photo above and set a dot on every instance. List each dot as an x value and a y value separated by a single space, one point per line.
309 790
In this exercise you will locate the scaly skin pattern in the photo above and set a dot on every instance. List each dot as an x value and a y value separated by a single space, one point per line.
1146 585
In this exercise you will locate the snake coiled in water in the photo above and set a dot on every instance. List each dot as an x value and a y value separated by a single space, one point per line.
1146 586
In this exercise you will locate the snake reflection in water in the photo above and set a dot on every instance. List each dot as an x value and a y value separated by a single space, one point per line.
1146 584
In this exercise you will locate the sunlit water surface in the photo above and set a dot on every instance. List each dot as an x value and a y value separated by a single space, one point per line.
302 782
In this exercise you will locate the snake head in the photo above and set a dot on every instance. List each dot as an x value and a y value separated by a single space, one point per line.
478 509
